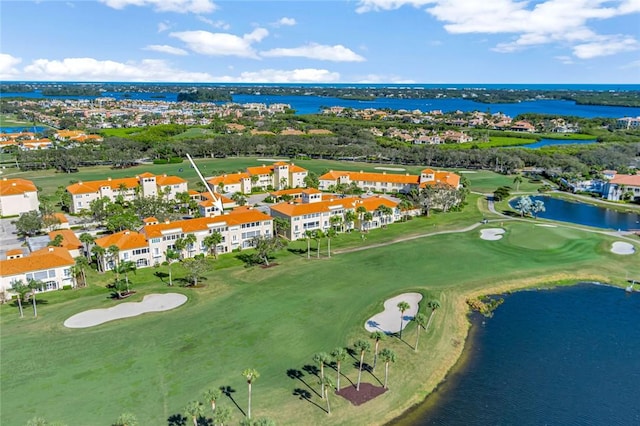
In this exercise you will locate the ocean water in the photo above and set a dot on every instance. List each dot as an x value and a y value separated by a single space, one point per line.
567 356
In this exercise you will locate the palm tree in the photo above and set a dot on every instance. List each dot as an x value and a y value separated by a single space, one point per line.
189 241
349 218
126 419
179 245
384 211
421 322
361 210
33 286
517 180
250 374
377 336
194 409
336 222
171 256
326 384
221 416
362 346
339 354
124 268
318 235
402 306
433 305
330 234
321 358
114 256
100 253
212 395
21 289
308 234
211 242
368 217
81 265
387 356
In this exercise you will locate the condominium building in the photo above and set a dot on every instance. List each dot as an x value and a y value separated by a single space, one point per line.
17 196
51 266
388 182
278 175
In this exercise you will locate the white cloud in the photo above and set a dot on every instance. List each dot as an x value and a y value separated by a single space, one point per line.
179 6
163 26
163 48
337 53
631 65
8 65
380 78
567 60
562 22
215 24
90 69
222 44
304 75
284 22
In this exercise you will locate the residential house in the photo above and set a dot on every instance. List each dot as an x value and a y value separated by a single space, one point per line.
132 246
628 123
621 184
314 211
50 265
388 182
237 228
17 196
70 241
146 184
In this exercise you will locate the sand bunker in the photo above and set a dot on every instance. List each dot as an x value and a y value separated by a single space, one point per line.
491 234
620 247
544 225
467 171
395 169
388 321
150 303
273 159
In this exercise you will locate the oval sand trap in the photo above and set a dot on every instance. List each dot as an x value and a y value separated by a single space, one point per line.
620 247
150 303
388 321
491 234
394 169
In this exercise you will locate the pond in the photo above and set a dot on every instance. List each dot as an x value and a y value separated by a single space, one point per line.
586 214
550 142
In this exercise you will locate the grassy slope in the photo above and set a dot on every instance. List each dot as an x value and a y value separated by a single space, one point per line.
275 320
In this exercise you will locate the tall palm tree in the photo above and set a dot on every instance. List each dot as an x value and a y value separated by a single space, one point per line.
330 234
361 346
124 268
318 235
211 242
517 180
179 245
212 395
336 222
81 265
194 409
360 211
87 239
321 358
349 218
114 255
367 217
251 374
387 356
402 307
377 336
308 234
433 305
339 354
34 285
190 240
100 253
171 256
421 322
21 289
326 384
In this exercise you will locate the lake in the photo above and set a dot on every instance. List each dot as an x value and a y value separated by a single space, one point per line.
313 104
567 356
586 214
551 142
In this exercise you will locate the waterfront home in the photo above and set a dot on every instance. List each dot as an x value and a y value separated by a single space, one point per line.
18 196
622 187
388 182
50 265
146 184
317 211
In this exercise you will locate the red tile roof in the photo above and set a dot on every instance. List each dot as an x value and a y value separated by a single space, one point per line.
114 184
39 260
352 203
632 180
16 186
69 239
124 240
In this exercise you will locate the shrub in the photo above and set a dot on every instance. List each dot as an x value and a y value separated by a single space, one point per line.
67 287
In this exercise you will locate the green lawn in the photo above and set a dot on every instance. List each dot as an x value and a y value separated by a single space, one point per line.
274 320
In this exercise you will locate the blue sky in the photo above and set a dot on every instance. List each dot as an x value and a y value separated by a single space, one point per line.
357 41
